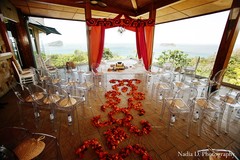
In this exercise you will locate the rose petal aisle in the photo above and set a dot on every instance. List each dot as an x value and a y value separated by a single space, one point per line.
116 134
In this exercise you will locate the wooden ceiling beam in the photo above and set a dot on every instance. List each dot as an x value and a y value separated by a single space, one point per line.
155 4
134 4
109 8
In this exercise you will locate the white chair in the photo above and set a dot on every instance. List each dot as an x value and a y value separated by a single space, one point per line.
24 76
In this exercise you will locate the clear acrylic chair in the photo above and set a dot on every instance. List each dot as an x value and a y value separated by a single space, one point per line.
191 70
98 76
43 100
216 81
182 103
12 137
232 100
214 154
168 67
165 77
164 91
52 147
67 104
24 99
204 107
87 85
42 77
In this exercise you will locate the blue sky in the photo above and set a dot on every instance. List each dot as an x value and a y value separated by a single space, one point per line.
200 30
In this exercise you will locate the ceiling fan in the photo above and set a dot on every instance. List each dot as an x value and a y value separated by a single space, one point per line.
94 2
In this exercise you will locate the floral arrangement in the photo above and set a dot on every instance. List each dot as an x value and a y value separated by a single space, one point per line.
103 155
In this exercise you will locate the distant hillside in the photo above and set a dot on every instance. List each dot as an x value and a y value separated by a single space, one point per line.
55 43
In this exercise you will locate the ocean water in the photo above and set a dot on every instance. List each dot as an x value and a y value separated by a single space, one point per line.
126 50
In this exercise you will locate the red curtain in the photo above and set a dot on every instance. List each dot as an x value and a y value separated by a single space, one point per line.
96 37
141 46
149 32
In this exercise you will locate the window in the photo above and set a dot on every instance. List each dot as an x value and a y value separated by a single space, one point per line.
71 45
199 36
232 75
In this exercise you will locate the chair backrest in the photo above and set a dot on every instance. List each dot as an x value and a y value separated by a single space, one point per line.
187 94
238 98
198 60
166 77
217 78
20 93
168 66
166 92
13 136
16 69
52 148
38 93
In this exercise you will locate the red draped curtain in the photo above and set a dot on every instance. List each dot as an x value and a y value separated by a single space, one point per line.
96 40
144 36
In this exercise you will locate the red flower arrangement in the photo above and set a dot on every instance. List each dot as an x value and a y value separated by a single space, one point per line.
103 155
114 136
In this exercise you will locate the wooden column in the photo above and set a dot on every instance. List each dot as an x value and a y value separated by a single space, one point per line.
152 15
88 30
228 39
37 39
24 42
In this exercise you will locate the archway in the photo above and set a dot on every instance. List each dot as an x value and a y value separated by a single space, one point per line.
144 36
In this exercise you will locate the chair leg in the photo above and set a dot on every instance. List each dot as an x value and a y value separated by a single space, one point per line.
53 117
189 122
21 83
171 121
229 114
163 109
70 119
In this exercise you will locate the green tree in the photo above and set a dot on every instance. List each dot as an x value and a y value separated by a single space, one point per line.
107 54
232 75
177 57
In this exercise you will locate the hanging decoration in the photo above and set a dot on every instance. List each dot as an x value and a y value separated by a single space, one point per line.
117 21
121 30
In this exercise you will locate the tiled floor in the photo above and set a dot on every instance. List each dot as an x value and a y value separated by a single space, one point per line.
157 143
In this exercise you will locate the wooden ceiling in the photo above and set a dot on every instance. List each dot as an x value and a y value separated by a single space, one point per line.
166 10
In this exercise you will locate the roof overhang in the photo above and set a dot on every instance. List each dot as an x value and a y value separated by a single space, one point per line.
43 28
